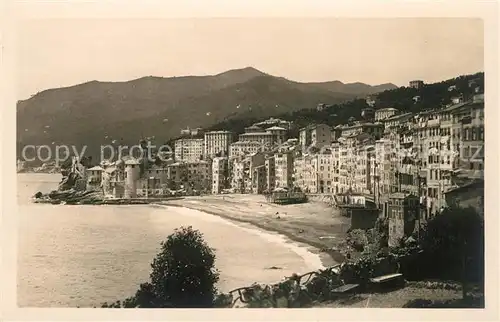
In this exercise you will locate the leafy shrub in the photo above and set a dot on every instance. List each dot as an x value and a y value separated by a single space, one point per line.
182 276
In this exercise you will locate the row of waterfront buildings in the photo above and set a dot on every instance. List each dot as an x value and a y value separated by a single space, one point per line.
388 153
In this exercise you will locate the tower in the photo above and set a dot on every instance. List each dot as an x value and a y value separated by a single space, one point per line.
132 171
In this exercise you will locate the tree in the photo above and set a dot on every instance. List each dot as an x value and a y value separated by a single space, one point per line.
454 245
183 275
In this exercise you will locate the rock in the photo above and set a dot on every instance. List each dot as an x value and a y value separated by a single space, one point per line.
282 302
38 195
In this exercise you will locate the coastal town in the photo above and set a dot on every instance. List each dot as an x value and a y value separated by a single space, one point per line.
253 163
401 166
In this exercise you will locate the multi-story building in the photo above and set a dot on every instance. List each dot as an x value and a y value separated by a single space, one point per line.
283 170
383 113
242 148
242 172
264 138
325 170
316 135
189 150
217 143
191 175
336 167
354 167
469 128
270 164
403 216
395 121
279 133
258 179
417 84
220 174
306 173
375 129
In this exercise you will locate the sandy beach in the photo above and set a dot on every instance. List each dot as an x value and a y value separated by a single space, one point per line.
315 224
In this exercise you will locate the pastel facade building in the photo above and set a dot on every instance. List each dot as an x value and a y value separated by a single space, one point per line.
220 174
283 170
270 164
326 164
306 173
316 135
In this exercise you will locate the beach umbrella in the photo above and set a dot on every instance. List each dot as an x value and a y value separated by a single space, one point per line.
165 120
208 113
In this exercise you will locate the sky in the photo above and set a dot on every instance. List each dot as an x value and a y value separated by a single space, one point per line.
63 52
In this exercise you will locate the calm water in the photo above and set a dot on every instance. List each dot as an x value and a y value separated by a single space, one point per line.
84 255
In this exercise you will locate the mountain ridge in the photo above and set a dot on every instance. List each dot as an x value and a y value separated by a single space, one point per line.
95 112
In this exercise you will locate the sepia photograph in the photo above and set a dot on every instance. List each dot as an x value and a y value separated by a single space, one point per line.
253 162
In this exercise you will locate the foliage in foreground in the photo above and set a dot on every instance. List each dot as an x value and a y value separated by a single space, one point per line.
476 302
452 245
182 275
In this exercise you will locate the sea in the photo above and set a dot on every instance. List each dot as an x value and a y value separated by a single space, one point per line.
82 256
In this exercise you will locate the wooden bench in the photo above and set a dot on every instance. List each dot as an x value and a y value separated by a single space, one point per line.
345 288
389 281
386 278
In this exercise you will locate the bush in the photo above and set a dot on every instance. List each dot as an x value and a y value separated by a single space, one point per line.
452 240
182 276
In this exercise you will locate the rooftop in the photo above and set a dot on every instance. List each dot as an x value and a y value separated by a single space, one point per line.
386 109
256 133
396 117
275 128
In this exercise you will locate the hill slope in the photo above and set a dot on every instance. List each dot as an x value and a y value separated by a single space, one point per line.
431 96
95 113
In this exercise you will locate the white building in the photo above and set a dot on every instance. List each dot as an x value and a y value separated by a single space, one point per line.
217 143
189 150
265 138
384 113
242 148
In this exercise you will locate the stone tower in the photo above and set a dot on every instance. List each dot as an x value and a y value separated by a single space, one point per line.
132 171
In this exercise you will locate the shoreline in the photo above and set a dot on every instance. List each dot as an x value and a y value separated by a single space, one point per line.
301 248
293 230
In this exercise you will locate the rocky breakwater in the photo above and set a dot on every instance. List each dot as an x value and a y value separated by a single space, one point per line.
71 190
